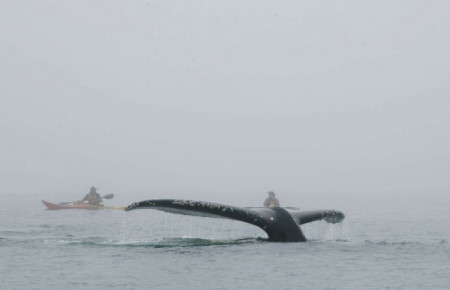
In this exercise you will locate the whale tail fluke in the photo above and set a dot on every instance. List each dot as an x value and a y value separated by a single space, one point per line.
332 216
280 224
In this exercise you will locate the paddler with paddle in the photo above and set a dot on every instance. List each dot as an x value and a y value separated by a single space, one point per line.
93 197
271 200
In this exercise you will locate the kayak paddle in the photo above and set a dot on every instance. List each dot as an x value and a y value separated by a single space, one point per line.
108 196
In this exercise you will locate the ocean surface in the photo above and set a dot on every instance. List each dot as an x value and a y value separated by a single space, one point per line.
384 243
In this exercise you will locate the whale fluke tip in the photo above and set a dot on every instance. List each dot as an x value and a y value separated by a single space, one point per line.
333 216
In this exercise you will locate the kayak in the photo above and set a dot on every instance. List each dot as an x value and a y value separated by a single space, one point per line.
54 206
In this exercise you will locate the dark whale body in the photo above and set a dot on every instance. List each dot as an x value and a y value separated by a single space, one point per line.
280 224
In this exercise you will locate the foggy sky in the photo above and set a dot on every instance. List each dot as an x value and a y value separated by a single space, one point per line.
216 98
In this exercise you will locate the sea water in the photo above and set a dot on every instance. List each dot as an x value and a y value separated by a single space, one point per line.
382 244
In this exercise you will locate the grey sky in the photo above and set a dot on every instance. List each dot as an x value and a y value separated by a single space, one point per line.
186 98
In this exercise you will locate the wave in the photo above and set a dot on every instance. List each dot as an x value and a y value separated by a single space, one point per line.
32 230
403 243
164 243
188 242
328 240
177 242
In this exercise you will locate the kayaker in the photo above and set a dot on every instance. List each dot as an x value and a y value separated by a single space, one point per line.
93 197
271 200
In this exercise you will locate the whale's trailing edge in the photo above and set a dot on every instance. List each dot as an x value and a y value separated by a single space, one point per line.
280 224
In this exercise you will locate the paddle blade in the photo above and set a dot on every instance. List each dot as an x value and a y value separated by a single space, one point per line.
108 196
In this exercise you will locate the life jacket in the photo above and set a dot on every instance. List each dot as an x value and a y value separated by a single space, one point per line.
93 198
271 202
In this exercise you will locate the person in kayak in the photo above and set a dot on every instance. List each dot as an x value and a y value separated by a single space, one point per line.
93 197
271 200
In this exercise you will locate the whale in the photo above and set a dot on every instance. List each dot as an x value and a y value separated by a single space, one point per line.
282 224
